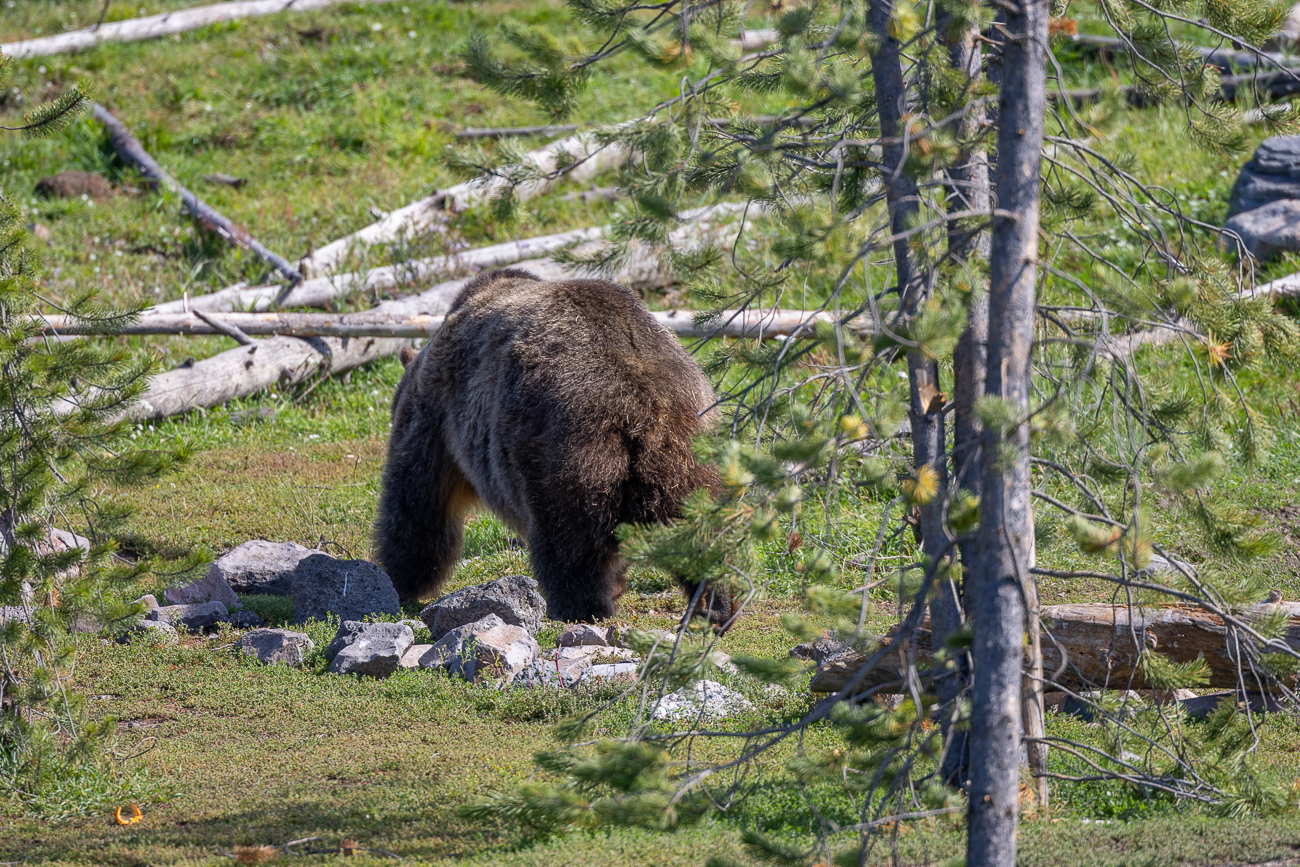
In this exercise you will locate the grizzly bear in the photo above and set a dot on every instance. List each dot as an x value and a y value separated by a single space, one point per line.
563 407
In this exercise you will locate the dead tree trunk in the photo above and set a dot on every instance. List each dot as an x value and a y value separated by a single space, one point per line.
157 26
1002 586
967 191
129 149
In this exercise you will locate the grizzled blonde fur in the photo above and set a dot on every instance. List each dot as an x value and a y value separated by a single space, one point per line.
565 409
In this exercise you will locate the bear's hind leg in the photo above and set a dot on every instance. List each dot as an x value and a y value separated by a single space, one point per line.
581 578
420 526
715 603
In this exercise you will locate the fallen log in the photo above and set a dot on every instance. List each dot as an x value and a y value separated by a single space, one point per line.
754 324
290 361
1220 57
1274 85
582 155
131 152
509 131
319 291
156 26
1099 646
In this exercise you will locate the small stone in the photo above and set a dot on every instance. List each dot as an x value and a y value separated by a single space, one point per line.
40 231
820 650
148 601
609 671
13 614
350 589
488 648
261 567
705 698
204 615
565 666
210 588
514 599
277 646
157 631
411 658
375 652
242 619
581 634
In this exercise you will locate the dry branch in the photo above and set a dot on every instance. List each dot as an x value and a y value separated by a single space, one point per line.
1219 57
586 156
1273 85
508 131
1093 646
129 149
755 324
155 26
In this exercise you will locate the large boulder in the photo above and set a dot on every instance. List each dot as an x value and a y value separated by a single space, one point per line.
277 646
1266 231
375 651
210 588
487 649
1271 175
195 618
513 598
349 589
261 567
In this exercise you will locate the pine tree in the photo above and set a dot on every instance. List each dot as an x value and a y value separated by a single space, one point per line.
59 401
874 179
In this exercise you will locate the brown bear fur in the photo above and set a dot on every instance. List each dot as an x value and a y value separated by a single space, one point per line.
566 409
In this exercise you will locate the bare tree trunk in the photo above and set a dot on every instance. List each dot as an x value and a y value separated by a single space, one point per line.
1001 581
926 403
968 190
156 26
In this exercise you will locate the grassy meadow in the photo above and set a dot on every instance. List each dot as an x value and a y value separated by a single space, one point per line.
332 117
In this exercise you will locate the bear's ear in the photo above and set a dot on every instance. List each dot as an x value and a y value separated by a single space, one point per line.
407 354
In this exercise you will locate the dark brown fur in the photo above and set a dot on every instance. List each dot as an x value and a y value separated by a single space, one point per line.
566 410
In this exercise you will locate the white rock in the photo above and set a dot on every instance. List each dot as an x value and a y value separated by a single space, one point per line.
485 649
411 658
581 634
706 698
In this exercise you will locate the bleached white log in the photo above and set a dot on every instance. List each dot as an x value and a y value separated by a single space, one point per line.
592 158
156 26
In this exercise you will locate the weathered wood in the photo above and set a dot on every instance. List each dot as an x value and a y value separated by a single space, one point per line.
247 370
509 131
585 156
1097 646
1220 57
156 26
753 324
131 152
1276 84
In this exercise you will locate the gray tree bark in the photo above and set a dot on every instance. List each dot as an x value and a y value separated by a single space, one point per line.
968 190
1001 583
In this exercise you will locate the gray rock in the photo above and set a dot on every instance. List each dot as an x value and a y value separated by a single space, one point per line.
261 567
204 615
1271 175
277 646
486 649
609 671
703 699
513 598
148 601
347 633
210 588
411 658
820 650
376 651
1266 231
350 589
242 619
565 666
581 634
156 630
13 614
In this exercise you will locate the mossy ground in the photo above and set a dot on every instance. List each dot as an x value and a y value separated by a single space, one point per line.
328 116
